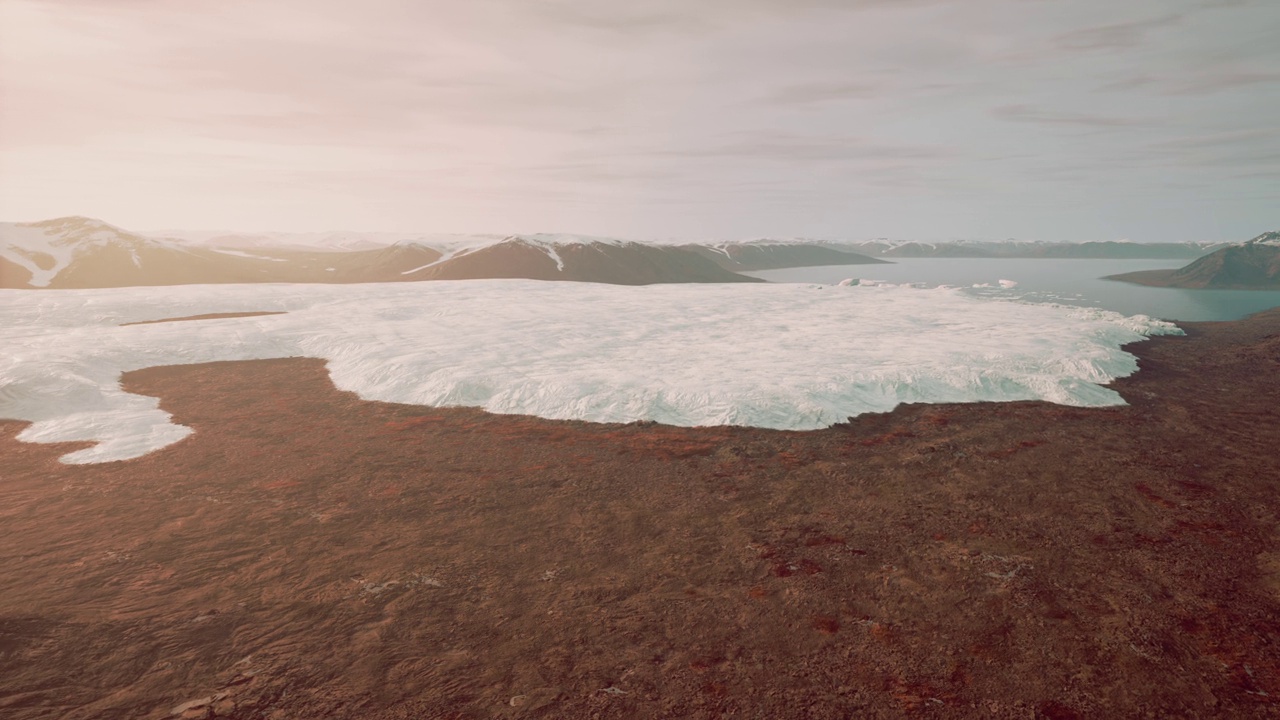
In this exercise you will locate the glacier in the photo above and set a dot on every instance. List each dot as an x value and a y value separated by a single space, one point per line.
783 356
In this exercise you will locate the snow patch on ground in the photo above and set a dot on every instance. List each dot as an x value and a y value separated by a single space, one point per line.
776 356
62 242
18 242
551 253
446 255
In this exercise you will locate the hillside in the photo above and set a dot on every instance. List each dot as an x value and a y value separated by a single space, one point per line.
78 252
619 263
1253 265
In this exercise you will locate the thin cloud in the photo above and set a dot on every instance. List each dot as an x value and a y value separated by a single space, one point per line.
1115 36
1220 81
715 115
601 172
781 147
617 19
1199 83
1130 83
810 93
1040 116
1213 140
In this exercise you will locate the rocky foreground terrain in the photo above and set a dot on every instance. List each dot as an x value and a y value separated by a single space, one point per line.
307 554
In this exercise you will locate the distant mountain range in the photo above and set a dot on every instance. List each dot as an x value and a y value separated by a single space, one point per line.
1030 249
1253 265
766 255
618 263
79 252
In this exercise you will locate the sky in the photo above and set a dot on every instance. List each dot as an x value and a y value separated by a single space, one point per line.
1055 120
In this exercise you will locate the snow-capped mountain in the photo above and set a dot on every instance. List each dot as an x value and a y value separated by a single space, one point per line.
83 252
1266 238
541 257
34 254
337 241
77 252
1030 249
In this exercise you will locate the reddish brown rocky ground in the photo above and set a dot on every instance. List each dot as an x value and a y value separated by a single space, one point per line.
309 555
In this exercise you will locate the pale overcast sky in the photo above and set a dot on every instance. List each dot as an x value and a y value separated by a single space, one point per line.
928 119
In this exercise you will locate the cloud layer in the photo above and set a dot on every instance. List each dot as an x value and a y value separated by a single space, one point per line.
928 118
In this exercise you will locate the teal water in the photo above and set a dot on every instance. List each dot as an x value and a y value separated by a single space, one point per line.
1072 282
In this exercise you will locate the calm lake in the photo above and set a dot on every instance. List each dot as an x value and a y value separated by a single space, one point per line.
1073 282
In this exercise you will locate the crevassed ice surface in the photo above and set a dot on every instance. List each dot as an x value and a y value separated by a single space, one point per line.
774 356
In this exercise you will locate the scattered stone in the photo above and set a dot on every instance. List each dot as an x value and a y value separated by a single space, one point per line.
197 704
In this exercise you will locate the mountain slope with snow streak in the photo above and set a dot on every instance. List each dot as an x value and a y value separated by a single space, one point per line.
616 262
86 253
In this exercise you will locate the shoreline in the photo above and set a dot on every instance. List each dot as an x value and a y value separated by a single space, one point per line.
1160 279
311 553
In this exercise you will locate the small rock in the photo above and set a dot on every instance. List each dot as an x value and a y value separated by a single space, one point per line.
536 698
614 691
242 678
192 705
197 704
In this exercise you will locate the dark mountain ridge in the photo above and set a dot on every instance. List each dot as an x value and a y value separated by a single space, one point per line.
1096 250
1252 265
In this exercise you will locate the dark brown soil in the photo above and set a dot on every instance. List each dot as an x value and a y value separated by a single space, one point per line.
306 554
206 316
